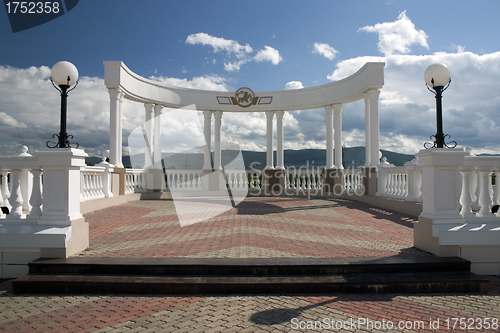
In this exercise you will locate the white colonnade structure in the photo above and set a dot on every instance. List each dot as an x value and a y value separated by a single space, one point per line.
365 85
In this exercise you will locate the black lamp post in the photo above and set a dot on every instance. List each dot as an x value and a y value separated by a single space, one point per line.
438 77
64 79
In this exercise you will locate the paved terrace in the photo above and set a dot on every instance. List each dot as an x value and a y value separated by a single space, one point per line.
258 227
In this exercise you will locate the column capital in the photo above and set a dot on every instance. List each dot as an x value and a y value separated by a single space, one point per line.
218 115
280 114
373 94
337 108
269 115
158 108
116 94
148 107
328 109
207 115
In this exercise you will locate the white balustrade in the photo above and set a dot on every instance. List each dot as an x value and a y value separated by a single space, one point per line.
303 179
254 178
135 181
353 181
183 180
92 183
402 183
479 191
237 179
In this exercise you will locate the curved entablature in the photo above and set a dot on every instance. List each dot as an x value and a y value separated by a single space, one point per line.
140 89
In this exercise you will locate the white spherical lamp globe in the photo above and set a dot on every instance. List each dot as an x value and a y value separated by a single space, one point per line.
64 73
437 75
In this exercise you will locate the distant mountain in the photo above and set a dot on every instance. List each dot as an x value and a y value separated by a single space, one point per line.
354 156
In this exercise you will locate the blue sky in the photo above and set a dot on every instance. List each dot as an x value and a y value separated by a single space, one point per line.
265 45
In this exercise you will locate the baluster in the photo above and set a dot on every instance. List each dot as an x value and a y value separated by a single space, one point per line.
16 199
466 197
496 188
484 184
5 188
36 194
400 187
474 183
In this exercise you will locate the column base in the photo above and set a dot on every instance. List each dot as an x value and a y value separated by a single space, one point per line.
213 180
274 181
370 180
332 178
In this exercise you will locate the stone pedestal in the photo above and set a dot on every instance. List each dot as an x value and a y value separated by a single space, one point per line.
441 183
441 187
120 174
332 181
274 181
370 180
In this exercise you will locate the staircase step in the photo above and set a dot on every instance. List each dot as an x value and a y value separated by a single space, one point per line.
422 282
246 266
81 275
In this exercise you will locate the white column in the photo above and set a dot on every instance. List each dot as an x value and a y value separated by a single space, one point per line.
375 127
269 116
368 156
157 137
217 148
115 126
279 140
337 110
329 136
148 140
207 163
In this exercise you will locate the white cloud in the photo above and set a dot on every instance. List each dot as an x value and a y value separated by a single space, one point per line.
471 105
294 85
234 66
220 44
397 37
268 54
10 121
238 55
212 82
325 50
29 109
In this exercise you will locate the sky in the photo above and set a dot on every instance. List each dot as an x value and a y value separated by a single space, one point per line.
264 45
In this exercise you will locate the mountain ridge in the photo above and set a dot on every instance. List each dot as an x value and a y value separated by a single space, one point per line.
352 157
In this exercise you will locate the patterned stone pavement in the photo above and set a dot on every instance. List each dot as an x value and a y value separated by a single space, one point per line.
256 228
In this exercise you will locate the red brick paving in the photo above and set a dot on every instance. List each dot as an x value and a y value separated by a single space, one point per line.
257 218
356 229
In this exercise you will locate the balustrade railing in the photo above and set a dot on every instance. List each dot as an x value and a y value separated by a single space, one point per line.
94 179
135 180
400 182
479 188
21 186
303 179
183 180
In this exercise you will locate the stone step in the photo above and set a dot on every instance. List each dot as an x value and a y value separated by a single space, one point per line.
404 283
246 266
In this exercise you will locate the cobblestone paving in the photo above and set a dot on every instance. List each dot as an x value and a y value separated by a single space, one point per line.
350 313
258 228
